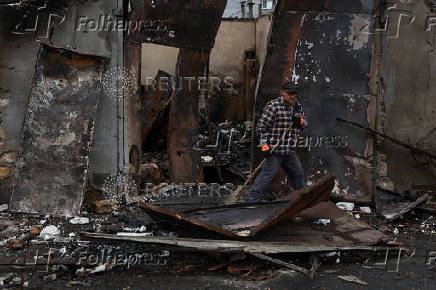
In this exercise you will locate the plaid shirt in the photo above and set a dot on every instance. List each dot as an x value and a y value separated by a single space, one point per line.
275 119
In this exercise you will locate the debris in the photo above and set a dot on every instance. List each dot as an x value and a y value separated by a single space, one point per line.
127 234
354 279
233 246
35 230
15 244
100 268
77 283
17 279
365 209
322 221
392 206
282 263
207 159
249 219
26 284
49 232
4 279
150 173
396 231
50 277
106 206
347 206
4 207
79 221
357 216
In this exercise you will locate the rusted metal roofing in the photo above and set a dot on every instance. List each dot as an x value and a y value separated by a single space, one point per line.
246 220
340 230
57 134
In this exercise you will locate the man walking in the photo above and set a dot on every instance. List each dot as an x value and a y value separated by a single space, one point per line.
279 115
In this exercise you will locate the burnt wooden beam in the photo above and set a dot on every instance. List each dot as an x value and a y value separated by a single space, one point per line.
183 127
155 102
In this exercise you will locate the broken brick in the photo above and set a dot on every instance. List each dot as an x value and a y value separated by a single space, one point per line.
15 244
106 206
34 231
5 172
150 173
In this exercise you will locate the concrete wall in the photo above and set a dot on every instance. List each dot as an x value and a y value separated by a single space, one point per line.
228 53
155 57
234 37
263 27
409 112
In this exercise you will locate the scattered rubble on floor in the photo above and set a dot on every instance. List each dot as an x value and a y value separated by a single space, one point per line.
318 227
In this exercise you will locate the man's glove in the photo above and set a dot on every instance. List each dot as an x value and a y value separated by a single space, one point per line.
266 150
297 122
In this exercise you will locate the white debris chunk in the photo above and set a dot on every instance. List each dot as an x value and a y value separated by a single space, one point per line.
345 205
365 209
79 221
207 159
396 231
357 216
4 207
71 235
129 234
322 222
49 232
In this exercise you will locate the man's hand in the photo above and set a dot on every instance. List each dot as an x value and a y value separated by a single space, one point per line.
266 150
297 122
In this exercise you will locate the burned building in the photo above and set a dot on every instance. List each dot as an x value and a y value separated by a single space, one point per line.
152 106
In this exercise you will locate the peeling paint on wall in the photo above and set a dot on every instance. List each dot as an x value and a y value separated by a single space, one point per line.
357 39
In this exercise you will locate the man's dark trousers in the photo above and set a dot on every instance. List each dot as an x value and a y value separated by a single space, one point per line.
290 164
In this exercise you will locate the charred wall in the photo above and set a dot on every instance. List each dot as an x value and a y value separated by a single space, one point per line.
25 26
408 103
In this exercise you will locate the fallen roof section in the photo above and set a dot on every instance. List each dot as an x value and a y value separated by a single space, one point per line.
246 220
337 229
